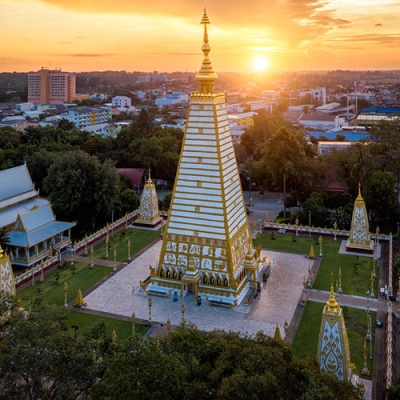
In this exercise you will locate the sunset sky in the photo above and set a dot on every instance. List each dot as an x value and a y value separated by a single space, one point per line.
139 35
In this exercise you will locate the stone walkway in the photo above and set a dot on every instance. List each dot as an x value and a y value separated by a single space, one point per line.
121 295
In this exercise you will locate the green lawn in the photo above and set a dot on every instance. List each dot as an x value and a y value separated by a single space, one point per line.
306 339
139 238
82 277
122 328
52 289
355 279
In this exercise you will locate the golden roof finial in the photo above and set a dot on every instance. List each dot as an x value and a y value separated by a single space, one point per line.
1 252
332 304
359 189
149 180
206 75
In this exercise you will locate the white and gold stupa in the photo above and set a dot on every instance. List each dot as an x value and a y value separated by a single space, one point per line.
7 282
360 238
149 213
207 249
333 352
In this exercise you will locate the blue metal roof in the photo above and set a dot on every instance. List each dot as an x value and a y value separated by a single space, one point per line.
349 137
29 239
380 110
15 181
9 215
37 218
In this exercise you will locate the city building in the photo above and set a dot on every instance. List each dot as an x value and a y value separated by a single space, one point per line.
245 119
51 86
321 121
123 103
29 220
327 147
317 94
92 119
207 249
172 99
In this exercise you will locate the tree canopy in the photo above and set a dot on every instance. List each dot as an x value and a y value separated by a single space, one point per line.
81 188
41 358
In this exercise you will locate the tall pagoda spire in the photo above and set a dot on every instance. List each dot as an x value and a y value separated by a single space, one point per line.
207 252
149 214
206 76
360 238
333 351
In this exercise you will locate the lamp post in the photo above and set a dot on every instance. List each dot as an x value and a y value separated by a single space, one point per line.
372 285
65 293
33 277
91 254
133 323
129 250
335 227
365 370
286 328
115 260
72 264
368 336
309 223
107 242
85 253
370 342
41 271
150 303
320 245
183 309
340 290
168 325
373 266
112 223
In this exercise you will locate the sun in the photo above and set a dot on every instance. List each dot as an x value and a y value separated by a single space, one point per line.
260 63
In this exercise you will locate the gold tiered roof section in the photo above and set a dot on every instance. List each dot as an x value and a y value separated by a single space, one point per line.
207 251
333 351
360 238
206 76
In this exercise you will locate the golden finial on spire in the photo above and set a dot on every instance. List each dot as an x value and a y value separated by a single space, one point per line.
206 75
1 252
332 304
359 189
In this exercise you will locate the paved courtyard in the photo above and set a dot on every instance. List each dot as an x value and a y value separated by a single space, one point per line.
122 295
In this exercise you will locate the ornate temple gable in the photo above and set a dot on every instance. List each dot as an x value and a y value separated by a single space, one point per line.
333 352
7 282
207 225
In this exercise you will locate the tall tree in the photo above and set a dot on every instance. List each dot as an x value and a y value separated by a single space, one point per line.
380 196
82 189
40 360
387 148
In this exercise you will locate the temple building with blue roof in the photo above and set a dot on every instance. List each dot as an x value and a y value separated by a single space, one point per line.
29 220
